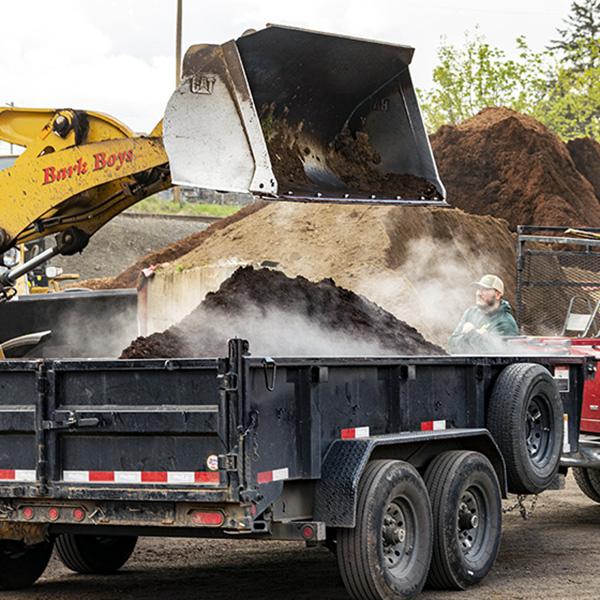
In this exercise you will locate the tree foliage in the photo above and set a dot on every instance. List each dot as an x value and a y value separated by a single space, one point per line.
570 106
579 38
560 86
477 75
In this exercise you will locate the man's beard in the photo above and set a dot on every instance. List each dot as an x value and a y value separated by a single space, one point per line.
486 304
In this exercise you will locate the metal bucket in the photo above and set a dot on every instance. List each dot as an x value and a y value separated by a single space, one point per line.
301 115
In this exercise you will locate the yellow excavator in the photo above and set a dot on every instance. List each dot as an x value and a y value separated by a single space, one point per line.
282 113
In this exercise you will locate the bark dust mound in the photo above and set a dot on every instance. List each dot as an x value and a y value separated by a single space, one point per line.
585 153
509 165
288 316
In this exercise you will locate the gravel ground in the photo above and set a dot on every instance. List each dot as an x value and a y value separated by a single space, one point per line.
553 556
125 239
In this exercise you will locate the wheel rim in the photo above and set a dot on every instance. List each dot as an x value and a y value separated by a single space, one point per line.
538 430
399 536
473 523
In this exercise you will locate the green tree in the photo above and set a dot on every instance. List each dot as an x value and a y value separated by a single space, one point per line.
578 39
477 75
570 106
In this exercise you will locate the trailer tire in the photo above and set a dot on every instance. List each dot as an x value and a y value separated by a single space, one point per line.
525 417
588 481
387 554
467 519
21 565
94 554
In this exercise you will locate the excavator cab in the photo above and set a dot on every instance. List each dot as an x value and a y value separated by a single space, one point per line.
290 114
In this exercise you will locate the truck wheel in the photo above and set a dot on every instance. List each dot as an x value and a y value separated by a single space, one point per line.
525 416
100 554
588 481
467 519
387 554
20 564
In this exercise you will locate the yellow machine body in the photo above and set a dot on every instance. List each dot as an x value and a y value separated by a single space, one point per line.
78 170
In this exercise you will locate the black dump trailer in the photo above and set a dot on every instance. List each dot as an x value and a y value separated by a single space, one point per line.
397 463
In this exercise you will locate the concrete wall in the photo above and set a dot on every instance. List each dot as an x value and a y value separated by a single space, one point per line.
170 296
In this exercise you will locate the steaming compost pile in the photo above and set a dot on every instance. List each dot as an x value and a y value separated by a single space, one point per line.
509 165
289 316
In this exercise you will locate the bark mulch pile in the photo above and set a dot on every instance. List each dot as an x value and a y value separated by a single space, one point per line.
510 166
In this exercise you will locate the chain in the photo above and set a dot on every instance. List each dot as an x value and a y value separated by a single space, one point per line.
525 512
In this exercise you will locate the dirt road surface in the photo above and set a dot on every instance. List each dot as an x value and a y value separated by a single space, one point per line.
554 556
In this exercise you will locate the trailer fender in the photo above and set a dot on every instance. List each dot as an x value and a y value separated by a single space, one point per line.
345 461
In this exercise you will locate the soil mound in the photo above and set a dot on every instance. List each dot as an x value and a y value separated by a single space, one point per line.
129 277
509 165
280 315
585 153
415 262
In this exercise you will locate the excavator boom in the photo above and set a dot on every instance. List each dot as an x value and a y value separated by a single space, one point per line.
79 169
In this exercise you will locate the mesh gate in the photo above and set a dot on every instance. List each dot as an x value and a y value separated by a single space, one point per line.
558 273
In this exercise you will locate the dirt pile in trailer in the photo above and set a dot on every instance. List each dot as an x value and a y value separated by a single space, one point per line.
284 316
509 165
585 153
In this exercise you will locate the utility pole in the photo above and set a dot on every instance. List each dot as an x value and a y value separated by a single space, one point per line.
176 189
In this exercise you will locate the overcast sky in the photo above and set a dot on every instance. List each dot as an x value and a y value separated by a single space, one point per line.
118 56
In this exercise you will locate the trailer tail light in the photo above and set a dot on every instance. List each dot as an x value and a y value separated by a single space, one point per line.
201 517
78 514
308 532
53 514
28 513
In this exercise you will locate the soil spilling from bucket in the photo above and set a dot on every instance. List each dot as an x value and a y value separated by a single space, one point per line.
284 316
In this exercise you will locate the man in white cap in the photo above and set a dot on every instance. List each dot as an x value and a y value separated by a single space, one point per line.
483 326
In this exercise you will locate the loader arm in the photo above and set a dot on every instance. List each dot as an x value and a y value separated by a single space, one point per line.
78 170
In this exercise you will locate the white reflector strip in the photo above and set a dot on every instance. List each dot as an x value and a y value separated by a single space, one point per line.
143 477
433 425
356 432
276 475
24 475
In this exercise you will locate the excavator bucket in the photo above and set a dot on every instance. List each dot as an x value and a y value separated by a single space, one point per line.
300 115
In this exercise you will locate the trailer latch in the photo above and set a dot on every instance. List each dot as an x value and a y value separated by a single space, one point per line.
269 365
71 422
227 462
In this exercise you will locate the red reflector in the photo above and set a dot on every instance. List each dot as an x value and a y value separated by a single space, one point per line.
78 514
53 514
201 477
102 476
308 532
207 518
28 513
154 477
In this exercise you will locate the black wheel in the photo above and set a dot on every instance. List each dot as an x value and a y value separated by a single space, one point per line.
386 555
101 554
588 481
525 416
467 519
20 564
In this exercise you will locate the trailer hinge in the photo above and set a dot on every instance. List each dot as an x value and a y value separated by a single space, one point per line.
228 462
228 382
72 421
